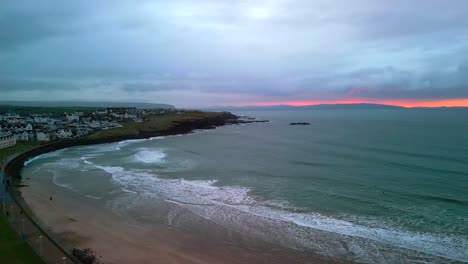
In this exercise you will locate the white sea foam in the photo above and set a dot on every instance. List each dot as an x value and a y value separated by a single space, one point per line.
64 164
57 180
64 185
31 160
108 147
45 156
202 184
234 208
276 221
131 141
87 156
153 156
110 169
93 197
441 245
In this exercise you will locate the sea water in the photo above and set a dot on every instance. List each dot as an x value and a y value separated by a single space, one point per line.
378 186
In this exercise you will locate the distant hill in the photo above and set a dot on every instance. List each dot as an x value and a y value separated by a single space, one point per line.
84 104
321 106
353 106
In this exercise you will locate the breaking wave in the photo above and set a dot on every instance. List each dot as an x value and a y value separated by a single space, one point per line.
150 156
234 208
275 221
44 156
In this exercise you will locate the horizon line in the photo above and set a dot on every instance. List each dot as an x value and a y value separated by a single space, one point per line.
405 103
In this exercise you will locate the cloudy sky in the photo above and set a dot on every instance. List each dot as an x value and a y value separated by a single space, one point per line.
236 52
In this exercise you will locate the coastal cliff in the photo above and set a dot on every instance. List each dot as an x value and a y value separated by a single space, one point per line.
152 126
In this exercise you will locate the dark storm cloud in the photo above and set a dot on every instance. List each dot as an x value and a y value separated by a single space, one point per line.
12 85
25 22
19 29
268 49
212 84
141 87
391 83
413 18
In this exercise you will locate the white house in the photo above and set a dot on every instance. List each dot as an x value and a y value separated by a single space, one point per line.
19 130
15 121
40 119
64 133
29 127
129 116
4 132
41 136
98 124
73 117
6 142
114 124
54 120
22 136
82 132
31 136
50 127
101 112
10 116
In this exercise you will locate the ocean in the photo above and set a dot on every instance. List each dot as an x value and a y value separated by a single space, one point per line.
375 186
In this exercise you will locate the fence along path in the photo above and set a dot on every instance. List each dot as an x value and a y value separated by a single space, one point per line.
13 207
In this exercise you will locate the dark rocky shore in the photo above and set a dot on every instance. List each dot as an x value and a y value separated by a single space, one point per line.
13 168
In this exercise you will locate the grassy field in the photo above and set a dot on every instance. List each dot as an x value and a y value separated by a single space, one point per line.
20 147
13 250
154 123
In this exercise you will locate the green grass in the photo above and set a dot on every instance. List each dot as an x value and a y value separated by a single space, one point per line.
13 250
20 147
154 123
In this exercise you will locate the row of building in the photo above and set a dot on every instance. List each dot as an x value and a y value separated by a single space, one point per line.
16 127
7 141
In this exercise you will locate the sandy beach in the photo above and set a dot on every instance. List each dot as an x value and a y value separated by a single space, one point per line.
80 222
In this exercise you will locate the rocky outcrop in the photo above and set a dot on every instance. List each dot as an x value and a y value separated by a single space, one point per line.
300 124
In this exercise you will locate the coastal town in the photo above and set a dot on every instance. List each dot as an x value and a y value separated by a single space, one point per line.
46 127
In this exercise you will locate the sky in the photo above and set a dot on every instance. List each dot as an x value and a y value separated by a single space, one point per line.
233 53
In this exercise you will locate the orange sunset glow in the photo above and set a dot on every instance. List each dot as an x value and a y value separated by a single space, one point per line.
459 102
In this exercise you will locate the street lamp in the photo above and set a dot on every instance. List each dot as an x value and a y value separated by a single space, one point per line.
4 203
40 246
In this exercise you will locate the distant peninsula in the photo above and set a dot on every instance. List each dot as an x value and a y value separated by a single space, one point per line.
319 106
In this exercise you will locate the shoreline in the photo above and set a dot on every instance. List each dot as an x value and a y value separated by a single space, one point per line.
120 238
13 167
72 230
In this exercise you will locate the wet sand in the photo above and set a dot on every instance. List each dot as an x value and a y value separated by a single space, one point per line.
82 222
